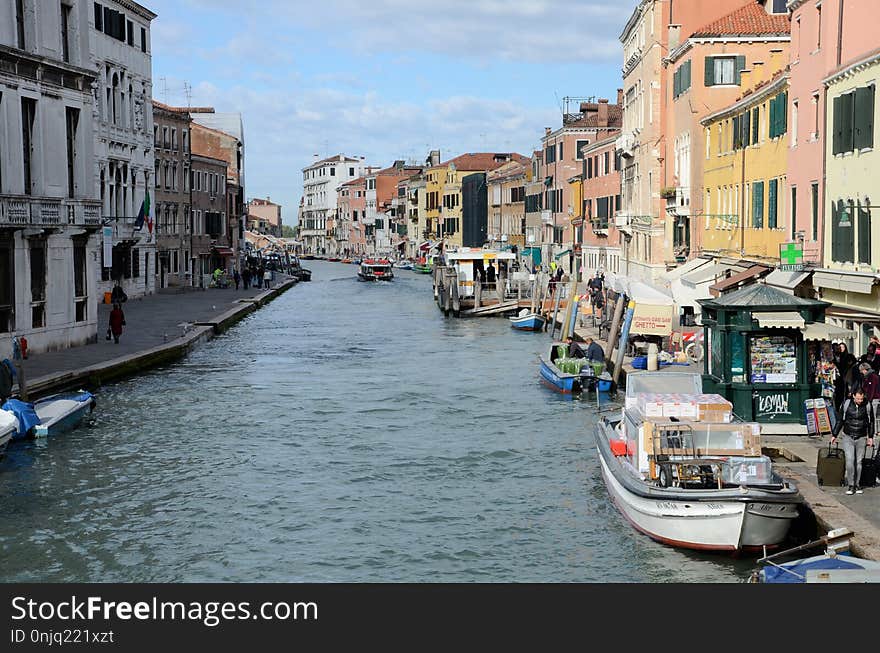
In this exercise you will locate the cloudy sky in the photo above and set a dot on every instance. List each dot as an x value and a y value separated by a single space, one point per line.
383 79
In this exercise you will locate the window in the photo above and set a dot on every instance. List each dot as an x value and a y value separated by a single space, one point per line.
794 123
793 211
771 203
550 154
28 115
72 122
842 237
99 17
778 115
136 263
818 27
143 39
814 201
130 32
723 70
864 234
19 23
681 79
577 148
351 172
185 137
853 120
173 138
65 32
815 135
38 282
7 284
758 205
156 175
756 123
80 285
332 172
779 6
560 150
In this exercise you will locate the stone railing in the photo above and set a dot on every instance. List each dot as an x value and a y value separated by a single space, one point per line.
29 211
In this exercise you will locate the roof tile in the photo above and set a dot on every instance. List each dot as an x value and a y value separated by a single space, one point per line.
751 19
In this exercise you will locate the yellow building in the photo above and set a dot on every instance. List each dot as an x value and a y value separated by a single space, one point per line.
744 178
851 274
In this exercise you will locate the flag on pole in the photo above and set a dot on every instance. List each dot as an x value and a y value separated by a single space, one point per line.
144 214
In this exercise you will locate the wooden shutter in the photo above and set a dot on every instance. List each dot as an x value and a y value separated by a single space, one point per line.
676 78
864 234
746 127
771 204
755 123
837 134
709 77
772 122
835 230
739 65
758 204
783 112
686 83
846 122
737 132
864 117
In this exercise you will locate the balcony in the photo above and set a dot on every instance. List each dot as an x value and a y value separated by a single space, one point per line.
546 217
599 226
27 211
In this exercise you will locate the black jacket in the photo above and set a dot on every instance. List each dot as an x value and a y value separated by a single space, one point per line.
856 420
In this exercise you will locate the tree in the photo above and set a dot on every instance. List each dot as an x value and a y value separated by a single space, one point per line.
287 231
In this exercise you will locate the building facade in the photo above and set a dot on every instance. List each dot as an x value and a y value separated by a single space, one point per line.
171 206
209 224
50 215
320 182
851 271
119 40
264 216
507 203
597 232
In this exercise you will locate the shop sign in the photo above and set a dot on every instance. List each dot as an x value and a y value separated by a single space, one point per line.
652 320
791 257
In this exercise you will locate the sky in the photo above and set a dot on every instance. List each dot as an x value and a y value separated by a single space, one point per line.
383 79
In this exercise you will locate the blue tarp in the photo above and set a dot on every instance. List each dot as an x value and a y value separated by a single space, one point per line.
25 413
776 575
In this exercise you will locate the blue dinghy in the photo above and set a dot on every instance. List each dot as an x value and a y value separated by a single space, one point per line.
527 321
51 415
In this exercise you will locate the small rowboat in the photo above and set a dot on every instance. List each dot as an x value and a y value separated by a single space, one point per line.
527 321
51 415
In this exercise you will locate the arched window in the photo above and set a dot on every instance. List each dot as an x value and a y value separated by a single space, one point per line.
115 112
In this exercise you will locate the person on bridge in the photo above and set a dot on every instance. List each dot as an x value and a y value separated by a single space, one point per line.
857 422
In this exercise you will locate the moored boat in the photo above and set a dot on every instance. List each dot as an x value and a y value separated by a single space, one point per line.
345 260
51 415
422 266
527 321
375 270
404 265
693 484
563 374
835 565
334 259
8 427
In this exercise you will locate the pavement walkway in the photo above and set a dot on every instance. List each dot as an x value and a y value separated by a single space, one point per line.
151 321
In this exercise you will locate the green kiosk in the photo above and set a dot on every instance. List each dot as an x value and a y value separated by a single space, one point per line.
756 353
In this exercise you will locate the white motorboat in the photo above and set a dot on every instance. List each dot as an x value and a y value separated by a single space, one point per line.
49 416
697 494
8 427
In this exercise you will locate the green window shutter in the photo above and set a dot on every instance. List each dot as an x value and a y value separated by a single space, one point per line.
835 231
758 205
738 68
709 78
755 123
687 75
737 132
771 204
773 112
864 117
837 133
849 249
846 122
746 127
783 112
864 235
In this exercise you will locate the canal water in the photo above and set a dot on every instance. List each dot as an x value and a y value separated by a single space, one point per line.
346 432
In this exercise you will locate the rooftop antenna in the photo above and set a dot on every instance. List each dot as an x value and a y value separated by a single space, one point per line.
164 83
187 90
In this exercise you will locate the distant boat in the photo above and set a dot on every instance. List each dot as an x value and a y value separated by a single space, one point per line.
375 270
345 260
527 321
404 265
308 257
49 416
334 260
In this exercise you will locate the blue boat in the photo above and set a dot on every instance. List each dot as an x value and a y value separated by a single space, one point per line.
51 415
836 565
527 321
564 382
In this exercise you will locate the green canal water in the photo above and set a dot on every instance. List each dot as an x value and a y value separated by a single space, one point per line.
346 432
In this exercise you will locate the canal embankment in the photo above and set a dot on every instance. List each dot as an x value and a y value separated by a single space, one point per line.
160 329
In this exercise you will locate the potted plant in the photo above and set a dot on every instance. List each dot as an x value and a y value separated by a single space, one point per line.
667 192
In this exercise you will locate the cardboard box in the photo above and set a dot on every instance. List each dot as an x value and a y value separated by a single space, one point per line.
710 406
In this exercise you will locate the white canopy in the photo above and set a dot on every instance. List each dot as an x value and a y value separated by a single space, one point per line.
780 319
825 331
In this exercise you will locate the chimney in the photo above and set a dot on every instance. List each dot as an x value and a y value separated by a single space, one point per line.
620 97
757 72
603 113
547 131
745 80
674 37
775 61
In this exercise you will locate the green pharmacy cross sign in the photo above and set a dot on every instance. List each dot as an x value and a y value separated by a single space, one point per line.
791 256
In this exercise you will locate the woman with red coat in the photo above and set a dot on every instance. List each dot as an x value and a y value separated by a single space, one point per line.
117 321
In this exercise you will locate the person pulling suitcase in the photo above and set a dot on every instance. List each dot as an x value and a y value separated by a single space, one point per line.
857 423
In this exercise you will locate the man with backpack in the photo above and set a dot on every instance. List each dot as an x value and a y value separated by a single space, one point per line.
857 422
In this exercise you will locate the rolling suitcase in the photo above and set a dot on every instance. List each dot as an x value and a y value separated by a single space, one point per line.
831 466
869 469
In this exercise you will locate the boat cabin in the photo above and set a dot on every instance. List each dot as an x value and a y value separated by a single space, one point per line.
471 263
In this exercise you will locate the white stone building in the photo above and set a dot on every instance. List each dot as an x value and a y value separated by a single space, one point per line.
321 180
49 214
120 52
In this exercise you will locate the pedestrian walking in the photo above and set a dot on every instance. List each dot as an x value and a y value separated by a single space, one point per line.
117 295
236 277
858 426
117 321
871 387
267 278
843 361
246 278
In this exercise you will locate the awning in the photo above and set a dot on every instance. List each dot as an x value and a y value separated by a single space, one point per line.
825 331
842 313
746 276
686 268
709 273
534 252
780 319
786 280
223 251
862 283
565 252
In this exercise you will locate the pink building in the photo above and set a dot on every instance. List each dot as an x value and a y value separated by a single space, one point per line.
352 207
600 239
820 43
